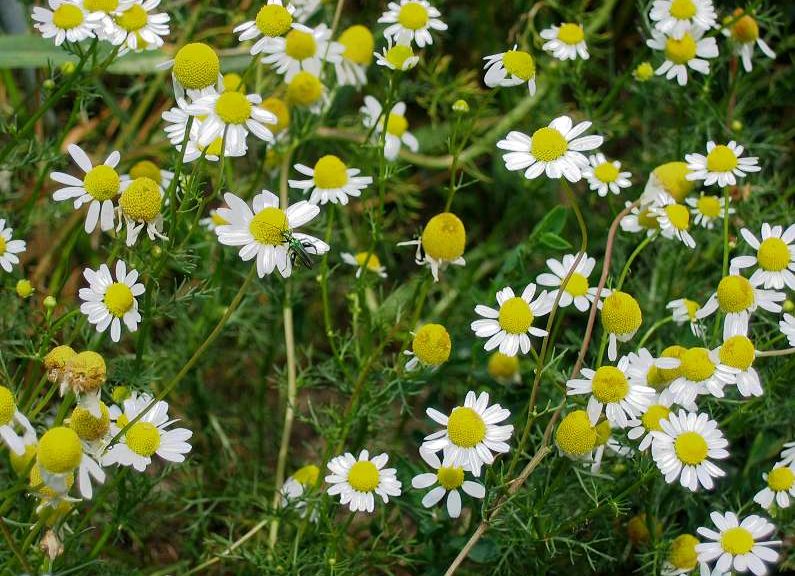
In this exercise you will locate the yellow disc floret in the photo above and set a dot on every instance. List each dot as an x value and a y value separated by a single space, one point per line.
196 66
87 426
233 108
738 352
304 89
67 16
101 5
745 30
444 237
606 172
682 554
8 406
398 54
300 45
721 159
502 367
146 168
432 344
307 475
413 16
638 529
644 72
101 182
273 20
60 450
691 448
609 384
330 172
396 124
678 216
465 427
55 361
359 43
773 255
520 64
368 261
672 176
548 144
670 374
21 462
621 314
575 435
696 365
450 478
278 108
269 226
682 50
780 479
143 438
363 476
737 541
577 285
133 19
571 34
709 206
86 371
683 9
233 82
118 299
603 432
735 294
142 199
42 490
651 418
647 219
516 317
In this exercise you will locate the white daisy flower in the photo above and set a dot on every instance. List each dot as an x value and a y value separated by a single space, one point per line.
66 20
780 486
613 392
555 149
668 178
701 372
565 42
11 419
441 244
738 352
396 127
745 34
108 302
140 206
604 176
676 17
775 257
510 68
673 219
358 480
510 327
411 21
706 209
148 436
302 48
60 454
576 291
721 164
331 181
682 557
274 19
737 546
177 123
689 51
136 28
108 10
9 248
265 233
397 57
364 261
296 485
684 311
640 219
450 478
737 298
357 54
685 448
646 370
787 326
658 409
471 433
100 185
213 221
430 346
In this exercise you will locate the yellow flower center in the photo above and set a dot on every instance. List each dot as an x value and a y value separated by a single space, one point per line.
363 476
679 216
23 288
300 45
233 108
2 245
305 89
141 200
146 168
737 352
122 421
745 30
307 476
133 19
654 378
692 308
571 34
87 426
196 66
359 43
680 51
465 427
691 448
644 72
278 108
673 178
610 384
682 554
683 9
737 541
575 435
780 479
8 406
515 316
269 226
119 299
330 172
670 374
413 16
101 182
371 260
233 82
214 147
450 478
120 394
396 124
548 144
502 367
621 314
603 432
60 450
735 294
721 159
519 64
444 237
647 219
773 255
397 56
696 365
709 206
218 220
273 20
67 16
86 371
143 438
100 5
432 344
606 172
577 285
651 418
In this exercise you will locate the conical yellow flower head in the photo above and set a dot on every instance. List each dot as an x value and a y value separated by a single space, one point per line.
86 372
575 435
444 237
55 362
432 344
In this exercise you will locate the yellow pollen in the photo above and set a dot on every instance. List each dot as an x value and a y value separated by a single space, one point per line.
651 418
305 89
444 237
682 554
621 314
502 367
86 371
548 144
141 200
609 384
691 448
87 426
696 365
519 64
780 479
119 299
672 176
300 45
671 374
398 54
606 172
307 475
273 20
196 66
575 435
679 216
373 263
133 19
100 5
269 226
745 30
330 173
413 16
683 9
646 219
233 107
101 182
721 159
432 345
359 43
735 294
571 34
450 478
465 427
363 476
143 438
396 124
8 406
278 108
516 317
709 206
603 432
773 255
146 168
60 450
737 541
577 285
67 16
737 352
20 462
680 51
233 82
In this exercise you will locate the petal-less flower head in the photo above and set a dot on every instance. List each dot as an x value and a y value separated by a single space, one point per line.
780 486
441 244
682 557
431 347
738 352
359 480
12 419
471 433
364 261
306 90
511 68
721 164
195 68
302 48
60 455
55 362
66 20
604 176
139 206
677 17
357 54
565 42
331 181
576 290
787 326
684 311
265 233
395 123
397 57
94 431
707 209
135 28
511 326
98 187
658 409
685 447
673 219
9 248
85 374
689 51
737 545
575 435
411 21
148 169
108 302
701 372
555 150
640 219
744 32
449 479
274 19
774 259
621 319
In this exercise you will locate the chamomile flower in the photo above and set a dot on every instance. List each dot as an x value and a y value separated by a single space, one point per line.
646 370
139 206
364 261
738 352
60 455
108 302
264 233
688 51
707 209
359 480
471 433
737 545
411 21
565 42
685 447
136 28
511 326
430 347
195 68
737 298
575 435
331 181
604 176
397 57
676 17
146 437
576 290
611 391
85 374
780 486
684 311
178 118
640 219
669 178
93 431
10 419
396 125
775 257
450 479
721 164
306 90
357 54
273 20
302 48
787 326
744 32
100 185
555 150
658 409
441 243
9 248
294 488
673 219
621 319
701 372
682 556
605 442
66 20
511 68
